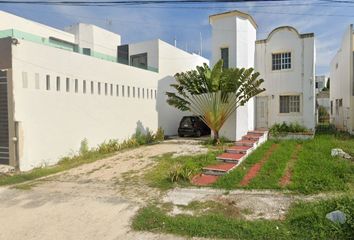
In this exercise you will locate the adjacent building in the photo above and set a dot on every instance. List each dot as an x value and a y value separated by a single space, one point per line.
321 83
60 87
342 84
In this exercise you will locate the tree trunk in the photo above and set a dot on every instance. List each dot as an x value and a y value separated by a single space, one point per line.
216 137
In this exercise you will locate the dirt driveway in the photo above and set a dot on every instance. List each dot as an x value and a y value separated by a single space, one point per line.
93 201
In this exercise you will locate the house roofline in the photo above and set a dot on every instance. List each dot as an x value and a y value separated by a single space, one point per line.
301 35
233 13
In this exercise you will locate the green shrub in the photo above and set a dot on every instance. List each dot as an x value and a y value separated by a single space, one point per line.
108 147
179 172
139 137
326 128
149 136
277 128
159 135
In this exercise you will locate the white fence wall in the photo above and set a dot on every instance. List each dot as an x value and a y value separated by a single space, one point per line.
54 122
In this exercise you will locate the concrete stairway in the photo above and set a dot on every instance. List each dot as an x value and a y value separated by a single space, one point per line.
231 158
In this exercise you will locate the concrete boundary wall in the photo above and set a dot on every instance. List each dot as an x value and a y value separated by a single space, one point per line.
53 120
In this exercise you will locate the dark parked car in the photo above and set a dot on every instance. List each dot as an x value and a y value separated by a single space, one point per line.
192 126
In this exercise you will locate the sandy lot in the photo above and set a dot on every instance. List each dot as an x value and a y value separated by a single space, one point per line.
93 201
98 200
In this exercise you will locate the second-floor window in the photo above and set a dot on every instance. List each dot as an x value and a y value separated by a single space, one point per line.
225 57
139 60
281 61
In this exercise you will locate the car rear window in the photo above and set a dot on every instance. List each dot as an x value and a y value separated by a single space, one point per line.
187 122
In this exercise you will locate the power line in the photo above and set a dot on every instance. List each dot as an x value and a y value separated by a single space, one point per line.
134 2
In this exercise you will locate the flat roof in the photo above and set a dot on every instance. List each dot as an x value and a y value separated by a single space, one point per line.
234 13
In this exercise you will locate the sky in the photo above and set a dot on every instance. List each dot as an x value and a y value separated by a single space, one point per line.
188 23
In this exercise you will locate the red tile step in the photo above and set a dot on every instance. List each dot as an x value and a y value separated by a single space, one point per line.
219 169
252 137
258 132
238 149
249 143
231 157
204 180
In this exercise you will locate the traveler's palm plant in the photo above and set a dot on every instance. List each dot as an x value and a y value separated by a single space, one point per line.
214 94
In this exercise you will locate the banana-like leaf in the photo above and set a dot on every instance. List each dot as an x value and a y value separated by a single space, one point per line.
214 94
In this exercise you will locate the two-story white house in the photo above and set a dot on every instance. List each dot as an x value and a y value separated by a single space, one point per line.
285 60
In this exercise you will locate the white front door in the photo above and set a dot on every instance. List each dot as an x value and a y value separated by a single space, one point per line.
261 112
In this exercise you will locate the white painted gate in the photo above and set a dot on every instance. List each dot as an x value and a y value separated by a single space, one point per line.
261 112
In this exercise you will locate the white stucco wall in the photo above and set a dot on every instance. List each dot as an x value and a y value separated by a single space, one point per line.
10 21
239 35
245 52
299 80
53 123
341 83
95 38
173 60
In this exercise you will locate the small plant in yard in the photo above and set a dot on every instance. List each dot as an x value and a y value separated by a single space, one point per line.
325 128
109 146
180 173
160 134
171 171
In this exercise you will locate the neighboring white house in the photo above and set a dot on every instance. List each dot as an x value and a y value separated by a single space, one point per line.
57 88
286 62
321 83
342 84
233 40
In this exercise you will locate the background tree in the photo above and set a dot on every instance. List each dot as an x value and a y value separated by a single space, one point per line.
214 94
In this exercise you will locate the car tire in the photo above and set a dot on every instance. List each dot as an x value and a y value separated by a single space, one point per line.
180 135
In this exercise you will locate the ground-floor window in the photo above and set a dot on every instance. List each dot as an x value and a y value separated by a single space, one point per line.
289 104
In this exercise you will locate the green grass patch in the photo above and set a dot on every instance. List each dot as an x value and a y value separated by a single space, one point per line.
303 221
314 170
272 171
159 175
